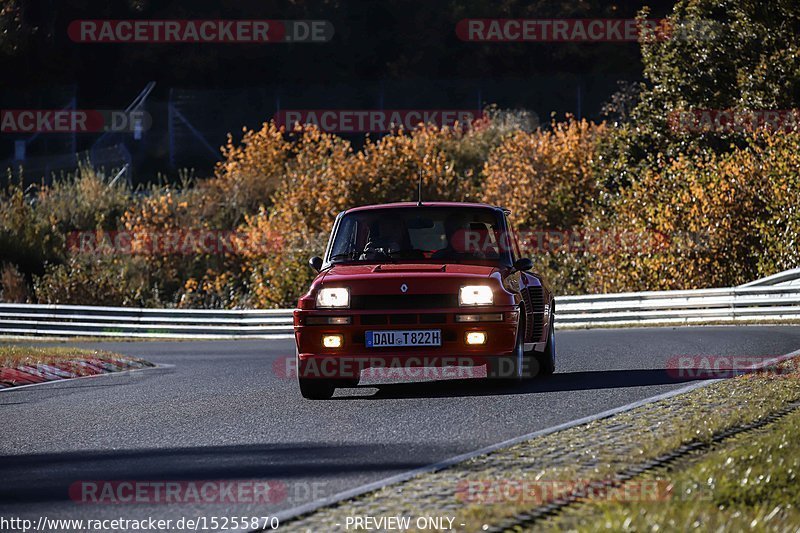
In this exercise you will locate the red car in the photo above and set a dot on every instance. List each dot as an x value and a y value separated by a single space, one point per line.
437 284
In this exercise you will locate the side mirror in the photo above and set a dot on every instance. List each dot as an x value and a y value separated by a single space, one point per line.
315 263
523 263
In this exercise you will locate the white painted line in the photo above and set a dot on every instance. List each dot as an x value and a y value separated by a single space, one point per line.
376 485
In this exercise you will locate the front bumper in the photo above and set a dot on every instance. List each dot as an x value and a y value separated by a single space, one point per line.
353 354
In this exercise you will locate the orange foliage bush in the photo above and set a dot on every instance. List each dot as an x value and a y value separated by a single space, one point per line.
211 279
248 176
545 177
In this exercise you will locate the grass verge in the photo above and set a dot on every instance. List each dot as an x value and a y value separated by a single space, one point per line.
749 482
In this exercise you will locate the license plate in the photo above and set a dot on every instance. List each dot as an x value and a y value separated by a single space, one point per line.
399 337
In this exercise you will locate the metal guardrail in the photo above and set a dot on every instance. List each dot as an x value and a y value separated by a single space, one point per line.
127 322
738 304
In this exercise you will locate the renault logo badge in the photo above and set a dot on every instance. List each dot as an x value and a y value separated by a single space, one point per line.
403 288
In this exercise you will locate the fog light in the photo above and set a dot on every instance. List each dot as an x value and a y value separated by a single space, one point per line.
476 337
332 341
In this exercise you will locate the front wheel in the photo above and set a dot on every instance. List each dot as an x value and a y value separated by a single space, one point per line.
547 359
511 368
316 388
312 385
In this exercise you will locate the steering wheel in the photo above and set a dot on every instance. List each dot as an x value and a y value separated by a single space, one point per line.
376 247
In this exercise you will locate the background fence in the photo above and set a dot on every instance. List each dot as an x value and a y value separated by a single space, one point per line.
773 299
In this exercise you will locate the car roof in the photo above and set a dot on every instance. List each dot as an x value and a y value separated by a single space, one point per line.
395 205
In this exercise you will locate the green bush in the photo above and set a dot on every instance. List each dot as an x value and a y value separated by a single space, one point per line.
127 281
85 200
27 240
13 287
724 56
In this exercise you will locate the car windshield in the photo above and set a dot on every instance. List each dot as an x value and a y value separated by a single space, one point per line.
421 234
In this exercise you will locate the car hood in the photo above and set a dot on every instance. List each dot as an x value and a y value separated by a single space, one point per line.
405 270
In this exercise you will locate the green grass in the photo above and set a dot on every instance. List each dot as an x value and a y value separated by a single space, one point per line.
749 482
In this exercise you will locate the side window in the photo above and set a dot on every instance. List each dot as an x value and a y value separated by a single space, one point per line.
344 237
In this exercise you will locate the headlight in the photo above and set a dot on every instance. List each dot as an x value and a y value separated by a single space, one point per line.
333 298
475 295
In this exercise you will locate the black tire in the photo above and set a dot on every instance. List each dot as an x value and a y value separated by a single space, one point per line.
313 388
547 359
348 383
316 388
503 370
509 369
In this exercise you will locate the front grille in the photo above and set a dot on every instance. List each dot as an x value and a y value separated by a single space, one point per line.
404 301
432 318
374 320
425 318
402 319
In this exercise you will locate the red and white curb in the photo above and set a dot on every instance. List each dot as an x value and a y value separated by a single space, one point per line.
80 367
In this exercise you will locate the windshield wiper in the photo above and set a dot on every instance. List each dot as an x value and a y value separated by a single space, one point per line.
385 254
410 250
344 255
